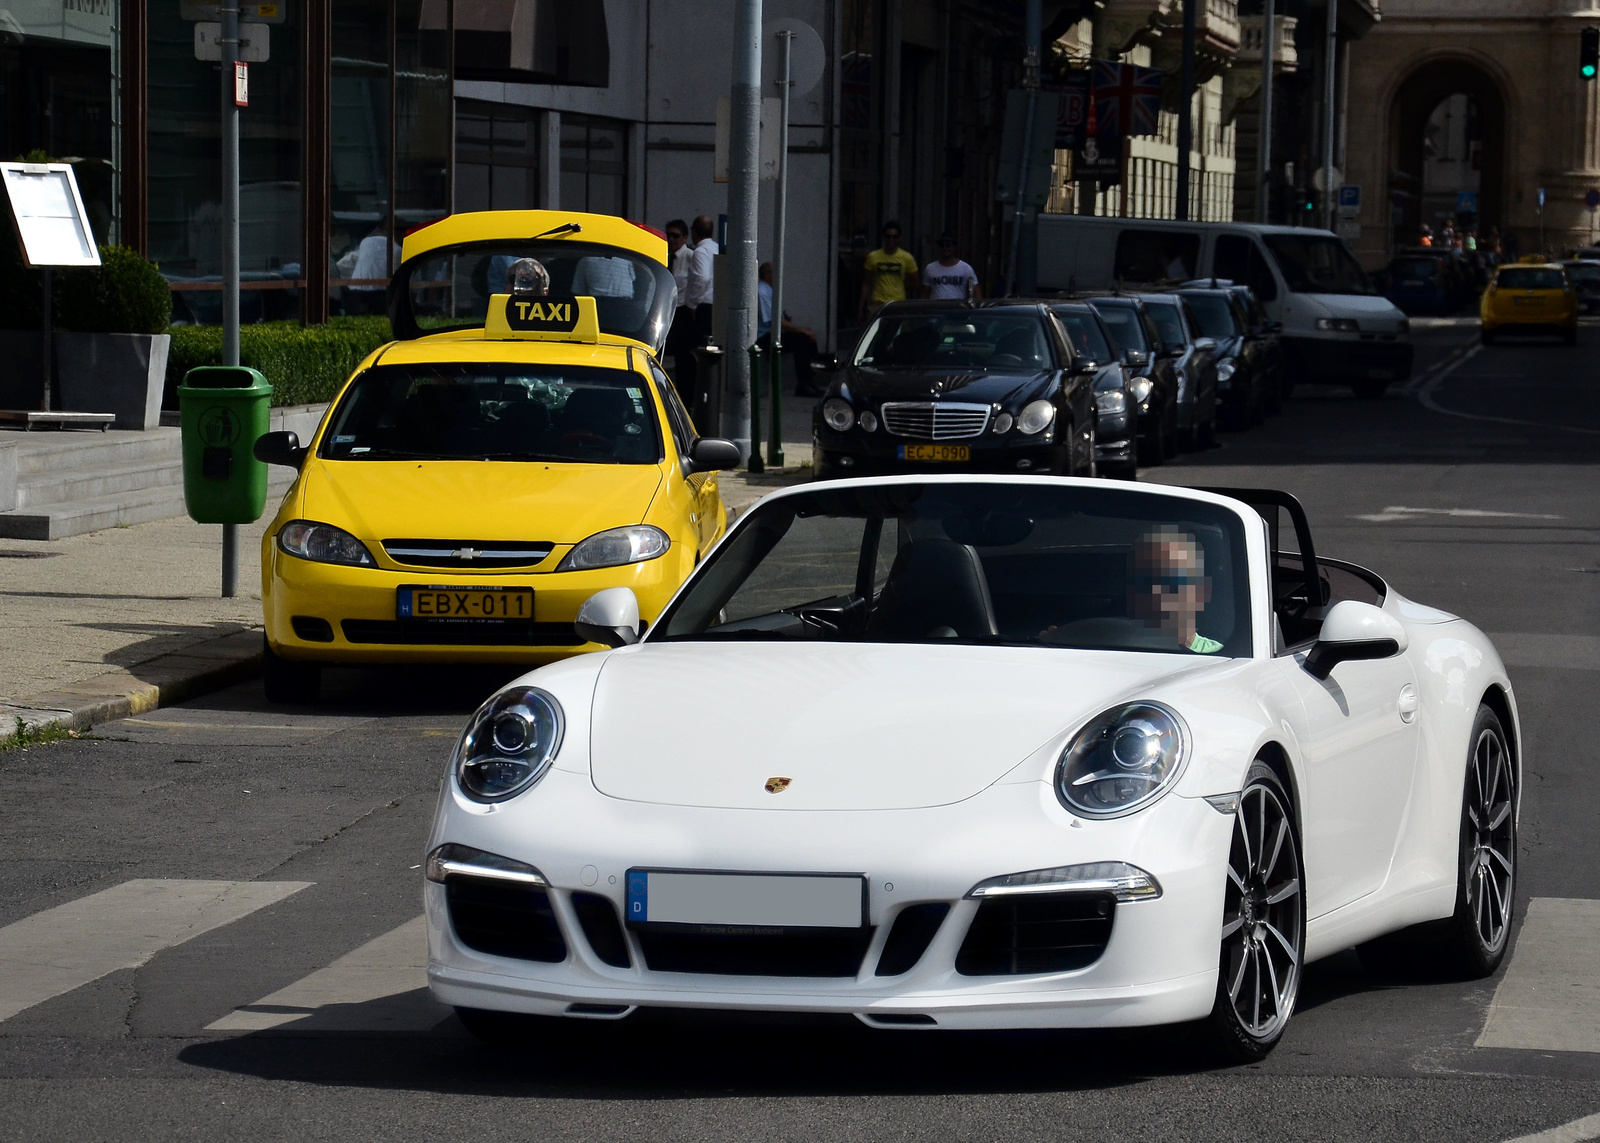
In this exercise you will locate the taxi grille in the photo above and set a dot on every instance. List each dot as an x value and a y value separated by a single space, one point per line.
468 554
935 420
460 633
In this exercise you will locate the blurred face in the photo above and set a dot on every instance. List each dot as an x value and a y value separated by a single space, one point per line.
947 251
1168 588
891 240
675 239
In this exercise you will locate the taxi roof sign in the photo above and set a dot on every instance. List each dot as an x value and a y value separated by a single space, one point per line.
540 317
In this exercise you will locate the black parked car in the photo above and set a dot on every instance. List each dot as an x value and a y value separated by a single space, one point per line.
1585 278
984 386
1152 380
1195 356
1243 383
1117 436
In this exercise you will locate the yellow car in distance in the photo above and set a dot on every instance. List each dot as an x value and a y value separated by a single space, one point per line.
515 451
1531 296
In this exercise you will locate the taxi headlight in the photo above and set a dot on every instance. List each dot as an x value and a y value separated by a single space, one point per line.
323 544
838 414
1122 760
1035 417
615 547
1140 387
509 744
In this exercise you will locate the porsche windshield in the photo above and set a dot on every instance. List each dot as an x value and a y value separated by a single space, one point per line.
967 340
579 414
1011 564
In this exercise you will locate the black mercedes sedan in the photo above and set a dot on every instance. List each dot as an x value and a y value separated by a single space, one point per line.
974 386
1152 378
1116 450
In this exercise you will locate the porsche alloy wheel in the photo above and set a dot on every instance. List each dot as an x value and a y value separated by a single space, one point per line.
1488 880
1263 924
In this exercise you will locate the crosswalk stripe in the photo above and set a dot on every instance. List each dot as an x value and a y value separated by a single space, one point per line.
60 949
381 986
1578 1131
1549 998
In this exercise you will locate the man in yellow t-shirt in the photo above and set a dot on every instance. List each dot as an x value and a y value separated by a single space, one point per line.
891 274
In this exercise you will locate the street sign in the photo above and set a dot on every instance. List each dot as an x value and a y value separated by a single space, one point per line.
1041 147
771 109
1100 161
807 57
254 42
1072 117
1541 198
1350 197
258 13
1592 199
1466 202
241 85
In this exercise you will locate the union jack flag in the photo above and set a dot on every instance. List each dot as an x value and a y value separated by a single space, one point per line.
1127 99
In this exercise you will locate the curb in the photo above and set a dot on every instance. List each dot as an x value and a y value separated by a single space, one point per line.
167 679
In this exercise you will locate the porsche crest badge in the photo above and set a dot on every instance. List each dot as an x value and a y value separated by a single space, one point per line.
777 785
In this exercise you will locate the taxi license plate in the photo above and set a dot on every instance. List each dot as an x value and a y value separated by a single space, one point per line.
1528 301
445 602
940 454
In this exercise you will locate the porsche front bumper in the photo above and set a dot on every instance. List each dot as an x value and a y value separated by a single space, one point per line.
1158 965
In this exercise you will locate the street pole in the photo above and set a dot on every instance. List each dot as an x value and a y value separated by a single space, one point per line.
1330 193
229 15
46 338
1269 44
780 208
1031 33
1185 113
744 144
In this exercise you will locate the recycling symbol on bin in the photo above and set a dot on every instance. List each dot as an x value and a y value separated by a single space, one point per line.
219 427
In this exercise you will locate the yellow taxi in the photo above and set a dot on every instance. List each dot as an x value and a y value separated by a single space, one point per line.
516 450
1530 296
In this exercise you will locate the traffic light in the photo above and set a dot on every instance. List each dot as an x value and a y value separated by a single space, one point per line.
1589 53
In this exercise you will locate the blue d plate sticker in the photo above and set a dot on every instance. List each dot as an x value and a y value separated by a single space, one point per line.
403 603
900 452
638 895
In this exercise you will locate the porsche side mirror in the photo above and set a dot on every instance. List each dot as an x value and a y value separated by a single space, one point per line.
610 617
280 448
1354 630
710 453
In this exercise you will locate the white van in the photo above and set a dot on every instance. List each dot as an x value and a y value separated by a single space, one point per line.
1336 328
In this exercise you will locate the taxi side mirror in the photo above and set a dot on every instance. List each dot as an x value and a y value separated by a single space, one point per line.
712 453
610 617
280 448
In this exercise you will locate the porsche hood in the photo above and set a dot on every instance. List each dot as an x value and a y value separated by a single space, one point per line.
851 726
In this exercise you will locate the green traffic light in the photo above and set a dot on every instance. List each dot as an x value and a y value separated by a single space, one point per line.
1588 71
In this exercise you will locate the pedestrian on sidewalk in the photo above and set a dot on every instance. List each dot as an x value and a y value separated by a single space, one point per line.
680 337
797 339
950 277
698 295
891 274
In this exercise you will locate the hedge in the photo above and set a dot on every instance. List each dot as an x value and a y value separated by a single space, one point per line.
304 364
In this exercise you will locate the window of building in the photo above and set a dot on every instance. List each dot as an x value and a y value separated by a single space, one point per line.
594 165
497 156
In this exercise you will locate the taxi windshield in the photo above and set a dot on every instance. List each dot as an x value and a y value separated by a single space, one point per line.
1528 278
967 341
449 288
578 414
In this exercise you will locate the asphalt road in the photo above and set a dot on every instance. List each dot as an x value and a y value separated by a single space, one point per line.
1474 491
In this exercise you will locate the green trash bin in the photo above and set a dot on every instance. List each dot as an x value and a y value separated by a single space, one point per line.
223 409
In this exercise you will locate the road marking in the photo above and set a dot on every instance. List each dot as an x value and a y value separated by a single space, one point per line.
60 949
1577 1131
1538 649
1435 377
1448 365
1400 512
379 987
1549 999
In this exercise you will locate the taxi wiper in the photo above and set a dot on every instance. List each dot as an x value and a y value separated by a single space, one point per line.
359 453
523 456
564 228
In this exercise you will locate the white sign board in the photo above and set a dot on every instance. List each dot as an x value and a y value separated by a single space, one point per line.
771 113
67 21
254 42
260 13
48 211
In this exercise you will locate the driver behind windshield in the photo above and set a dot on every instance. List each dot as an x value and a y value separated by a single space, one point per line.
1168 588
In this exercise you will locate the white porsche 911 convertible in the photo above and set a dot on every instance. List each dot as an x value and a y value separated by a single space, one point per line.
984 752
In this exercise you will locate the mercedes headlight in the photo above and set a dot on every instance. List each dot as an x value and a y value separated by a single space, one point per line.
1141 388
1111 403
508 745
838 414
1035 417
615 547
1122 760
323 544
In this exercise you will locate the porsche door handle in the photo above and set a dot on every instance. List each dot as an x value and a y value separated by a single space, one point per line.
1408 703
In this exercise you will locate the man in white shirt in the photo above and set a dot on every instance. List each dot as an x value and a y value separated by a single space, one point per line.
371 265
680 338
698 295
950 277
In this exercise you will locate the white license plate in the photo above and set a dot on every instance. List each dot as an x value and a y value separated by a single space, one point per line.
752 900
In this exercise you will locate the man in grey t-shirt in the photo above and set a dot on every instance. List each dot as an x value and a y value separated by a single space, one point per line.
950 277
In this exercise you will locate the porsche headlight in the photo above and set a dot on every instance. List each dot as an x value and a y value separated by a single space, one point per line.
508 745
1141 387
615 547
323 544
1122 760
1035 417
838 414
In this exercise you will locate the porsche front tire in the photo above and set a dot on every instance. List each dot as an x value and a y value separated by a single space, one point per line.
1263 926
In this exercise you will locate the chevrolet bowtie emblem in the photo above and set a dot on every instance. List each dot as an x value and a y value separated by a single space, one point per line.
777 785
466 553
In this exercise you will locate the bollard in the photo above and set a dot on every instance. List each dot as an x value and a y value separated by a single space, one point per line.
755 464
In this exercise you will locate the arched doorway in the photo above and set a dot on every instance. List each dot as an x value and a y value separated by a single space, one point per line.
1447 132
